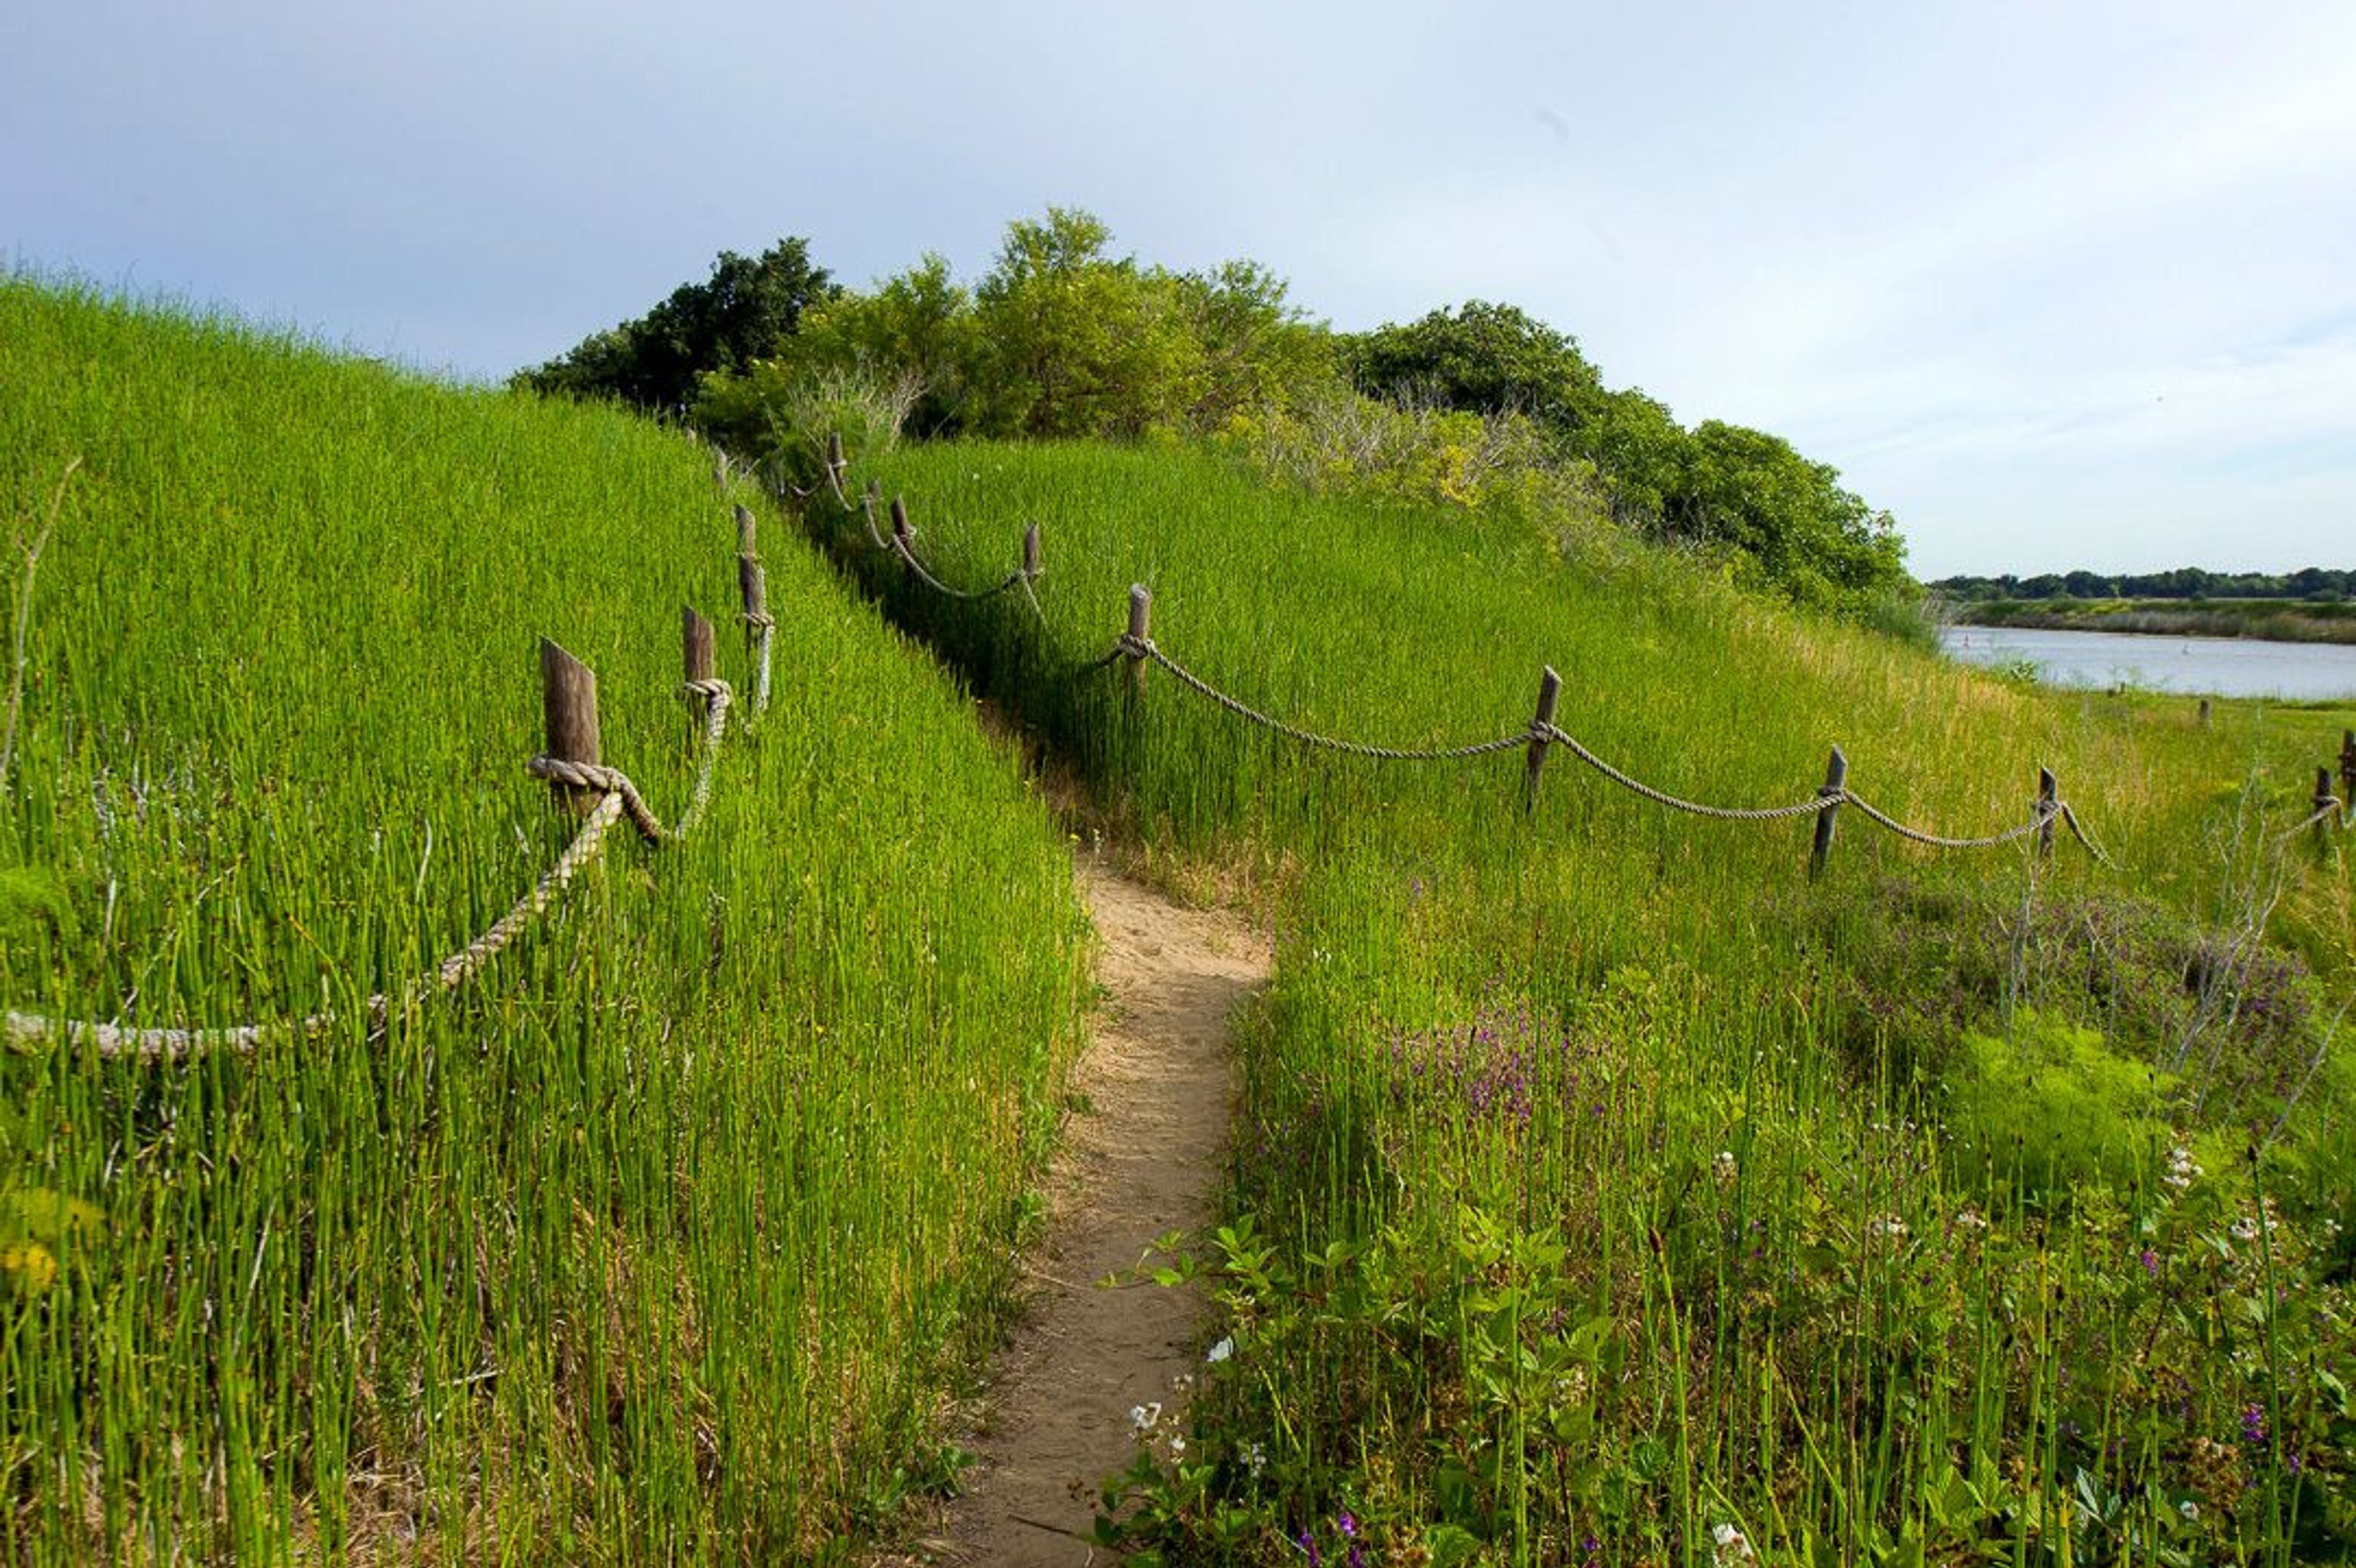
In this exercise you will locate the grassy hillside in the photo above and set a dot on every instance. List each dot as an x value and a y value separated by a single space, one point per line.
1610 1192
664 1236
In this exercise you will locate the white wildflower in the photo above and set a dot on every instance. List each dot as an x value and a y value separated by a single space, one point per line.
1254 1458
1889 1227
1729 1545
1220 1351
2244 1229
2182 1169
1722 1167
1177 1446
1144 1418
2188 1508
1968 1218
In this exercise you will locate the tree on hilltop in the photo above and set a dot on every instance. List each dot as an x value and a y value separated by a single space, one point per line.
748 308
1487 358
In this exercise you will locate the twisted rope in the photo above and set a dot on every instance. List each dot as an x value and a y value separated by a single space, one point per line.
763 626
469 960
617 797
28 1031
1136 647
866 510
2070 819
895 546
615 782
1825 801
1018 576
1127 647
2043 814
834 472
2327 810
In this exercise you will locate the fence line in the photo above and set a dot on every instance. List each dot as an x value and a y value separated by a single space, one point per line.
1542 732
571 764
903 540
1137 645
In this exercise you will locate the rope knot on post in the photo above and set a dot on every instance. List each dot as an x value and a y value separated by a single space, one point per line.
577 776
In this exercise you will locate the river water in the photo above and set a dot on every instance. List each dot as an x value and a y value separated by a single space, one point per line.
2226 667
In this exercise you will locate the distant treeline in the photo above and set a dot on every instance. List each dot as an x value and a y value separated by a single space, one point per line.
2316 584
1478 406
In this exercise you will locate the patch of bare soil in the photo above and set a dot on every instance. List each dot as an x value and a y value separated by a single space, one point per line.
1140 1160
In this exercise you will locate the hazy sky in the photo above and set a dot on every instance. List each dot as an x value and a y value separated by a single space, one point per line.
2058 285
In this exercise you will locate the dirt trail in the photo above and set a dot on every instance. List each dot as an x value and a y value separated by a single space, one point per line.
1142 1160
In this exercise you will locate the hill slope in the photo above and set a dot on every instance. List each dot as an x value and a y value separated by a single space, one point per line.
664 1234
1610 1192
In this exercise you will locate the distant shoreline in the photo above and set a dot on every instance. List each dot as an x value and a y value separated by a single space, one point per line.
2260 620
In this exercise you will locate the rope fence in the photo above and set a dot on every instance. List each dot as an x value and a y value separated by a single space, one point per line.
571 764
1136 646
1543 731
902 544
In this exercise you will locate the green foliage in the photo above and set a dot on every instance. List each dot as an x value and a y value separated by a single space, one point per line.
1344 444
1817 541
41 1234
1788 522
915 332
2048 1108
2315 584
1488 359
744 310
1059 339
1077 343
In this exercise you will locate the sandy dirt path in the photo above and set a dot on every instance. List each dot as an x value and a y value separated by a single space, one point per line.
1142 1160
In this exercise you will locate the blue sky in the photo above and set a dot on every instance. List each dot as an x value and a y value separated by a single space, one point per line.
2057 284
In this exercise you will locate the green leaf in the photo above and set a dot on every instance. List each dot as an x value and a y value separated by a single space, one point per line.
1451 1545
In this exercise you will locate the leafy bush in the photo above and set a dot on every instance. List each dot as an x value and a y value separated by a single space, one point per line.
2048 1108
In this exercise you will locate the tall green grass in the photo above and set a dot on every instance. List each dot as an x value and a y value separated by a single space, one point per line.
665 1238
1613 1192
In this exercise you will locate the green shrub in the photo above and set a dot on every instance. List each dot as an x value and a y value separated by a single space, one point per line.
2050 1108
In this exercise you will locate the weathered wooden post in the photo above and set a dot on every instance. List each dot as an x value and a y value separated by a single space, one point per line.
1140 633
2048 793
2323 806
1030 569
834 464
1541 731
746 526
568 694
903 538
1835 785
2204 713
719 468
2348 768
752 586
696 659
